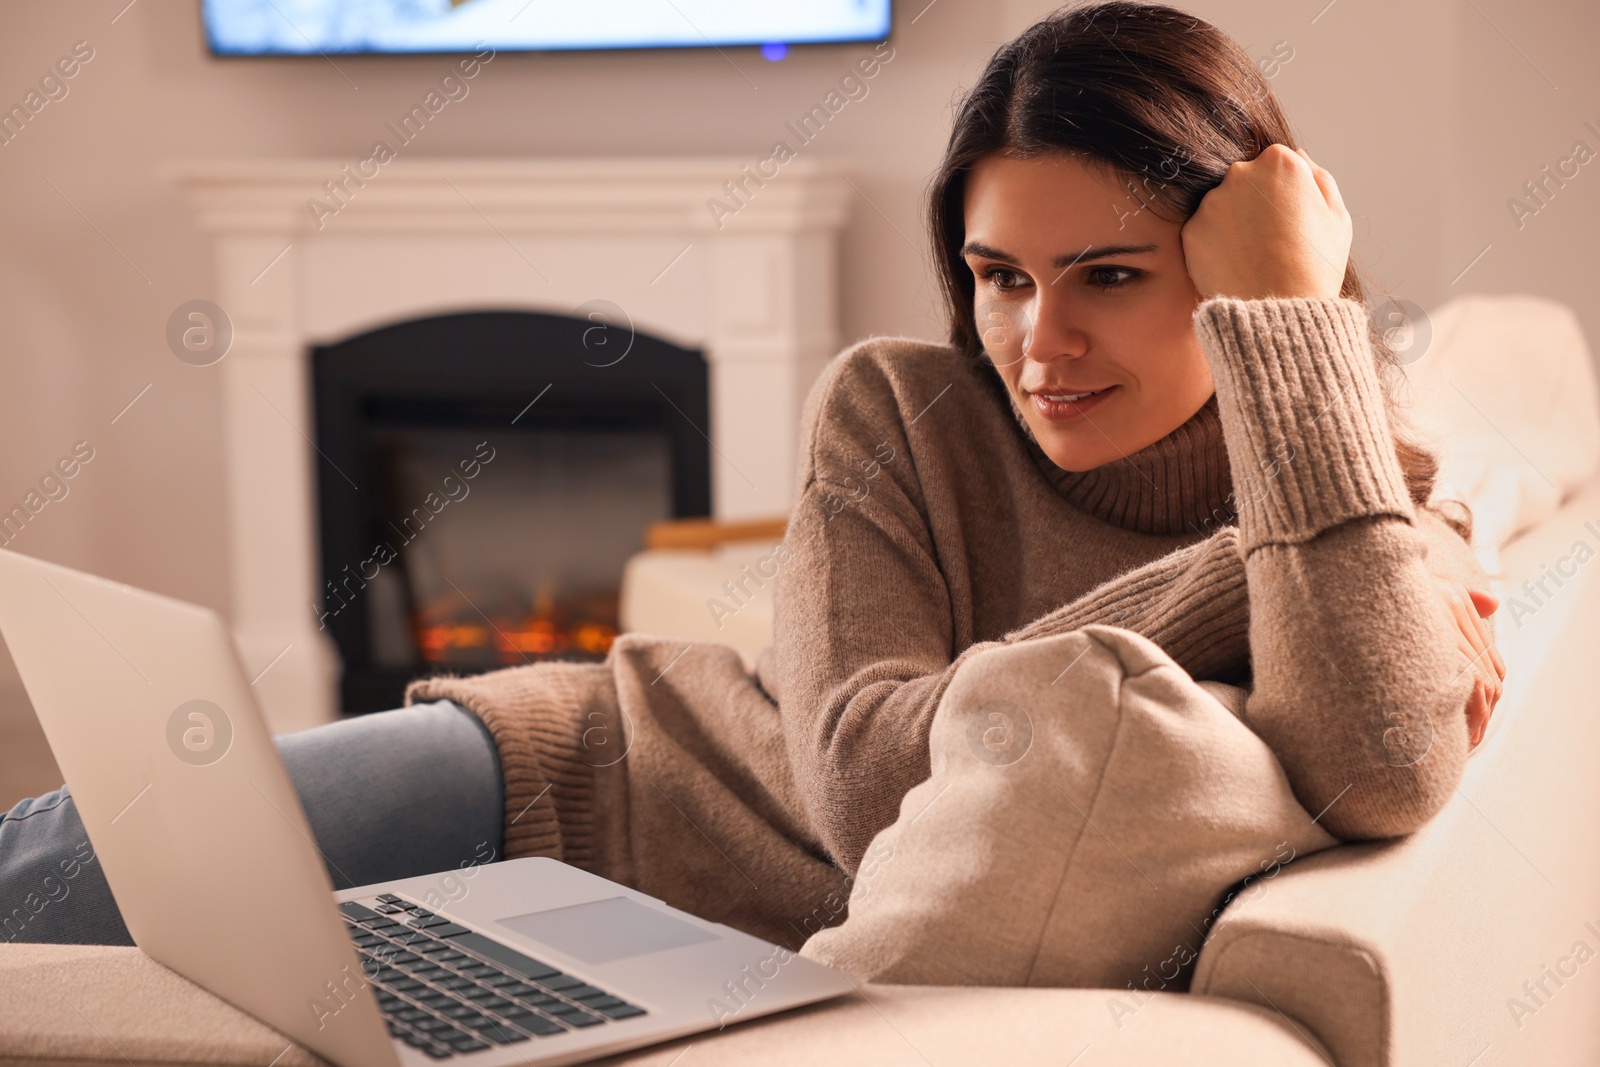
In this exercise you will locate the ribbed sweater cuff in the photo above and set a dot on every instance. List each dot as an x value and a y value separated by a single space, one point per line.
539 716
1303 414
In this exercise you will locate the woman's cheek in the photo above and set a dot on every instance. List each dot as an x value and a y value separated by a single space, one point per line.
1002 327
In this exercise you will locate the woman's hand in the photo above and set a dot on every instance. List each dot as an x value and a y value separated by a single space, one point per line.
1467 609
1276 226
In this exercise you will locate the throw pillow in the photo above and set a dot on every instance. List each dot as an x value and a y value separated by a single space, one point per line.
1090 808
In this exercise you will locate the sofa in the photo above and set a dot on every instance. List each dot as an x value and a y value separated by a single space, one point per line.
1465 944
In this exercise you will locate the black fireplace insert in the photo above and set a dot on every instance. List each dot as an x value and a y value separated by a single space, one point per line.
482 478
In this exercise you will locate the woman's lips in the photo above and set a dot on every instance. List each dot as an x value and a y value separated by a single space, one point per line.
1063 410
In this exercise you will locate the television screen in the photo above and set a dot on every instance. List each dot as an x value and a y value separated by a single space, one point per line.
330 27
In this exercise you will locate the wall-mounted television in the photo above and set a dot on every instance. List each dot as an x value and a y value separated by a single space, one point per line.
357 27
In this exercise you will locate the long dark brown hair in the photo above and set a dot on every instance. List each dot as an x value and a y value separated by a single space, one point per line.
1164 102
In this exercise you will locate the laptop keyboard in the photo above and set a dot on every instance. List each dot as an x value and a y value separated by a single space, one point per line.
446 990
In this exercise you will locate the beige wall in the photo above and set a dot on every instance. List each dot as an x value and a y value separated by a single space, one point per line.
1429 117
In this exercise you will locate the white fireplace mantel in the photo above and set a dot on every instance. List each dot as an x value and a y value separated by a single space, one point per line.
752 283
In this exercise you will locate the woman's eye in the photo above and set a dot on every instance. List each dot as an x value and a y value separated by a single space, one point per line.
1001 278
1115 283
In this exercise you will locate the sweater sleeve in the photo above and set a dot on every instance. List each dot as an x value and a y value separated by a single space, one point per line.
1195 602
1192 602
1359 687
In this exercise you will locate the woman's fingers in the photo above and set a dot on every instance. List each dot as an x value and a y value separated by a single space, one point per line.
1496 659
1471 627
1475 640
1490 666
1490 670
1477 713
1495 675
1487 604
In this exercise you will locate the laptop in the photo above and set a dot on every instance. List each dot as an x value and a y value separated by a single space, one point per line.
208 852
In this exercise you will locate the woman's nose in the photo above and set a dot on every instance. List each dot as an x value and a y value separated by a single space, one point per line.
1052 334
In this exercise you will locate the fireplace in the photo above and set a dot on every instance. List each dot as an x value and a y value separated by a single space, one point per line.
755 293
483 478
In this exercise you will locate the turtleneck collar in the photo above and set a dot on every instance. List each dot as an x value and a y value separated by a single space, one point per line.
1179 484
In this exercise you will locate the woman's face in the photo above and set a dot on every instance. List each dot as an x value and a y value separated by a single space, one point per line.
1078 288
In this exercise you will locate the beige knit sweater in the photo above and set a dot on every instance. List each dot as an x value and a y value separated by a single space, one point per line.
1269 541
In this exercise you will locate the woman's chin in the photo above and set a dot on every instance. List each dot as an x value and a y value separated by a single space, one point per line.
1076 455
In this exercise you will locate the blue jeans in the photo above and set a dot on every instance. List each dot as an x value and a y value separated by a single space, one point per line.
389 795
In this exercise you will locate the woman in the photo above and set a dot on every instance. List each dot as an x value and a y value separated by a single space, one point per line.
1162 408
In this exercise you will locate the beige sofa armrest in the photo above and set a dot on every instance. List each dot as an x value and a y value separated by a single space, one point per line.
706 580
72 1005
1416 951
722 594
707 534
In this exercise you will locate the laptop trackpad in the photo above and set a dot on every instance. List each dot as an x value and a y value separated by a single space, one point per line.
602 931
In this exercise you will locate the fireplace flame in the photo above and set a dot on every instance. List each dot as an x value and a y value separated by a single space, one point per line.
550 629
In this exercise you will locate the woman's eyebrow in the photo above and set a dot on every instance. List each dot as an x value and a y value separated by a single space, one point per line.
1102 252
978 248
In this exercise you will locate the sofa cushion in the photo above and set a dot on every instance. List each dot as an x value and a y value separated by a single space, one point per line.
62 1004
66 1005
1090 806
1505 387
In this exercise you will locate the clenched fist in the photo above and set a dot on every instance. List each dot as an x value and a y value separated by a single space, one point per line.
1275 226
